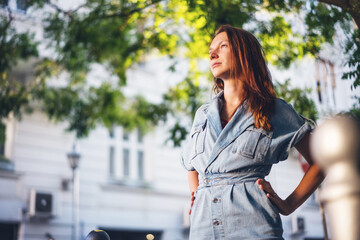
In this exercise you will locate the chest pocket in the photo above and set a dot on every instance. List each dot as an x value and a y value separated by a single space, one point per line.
198 140
253 143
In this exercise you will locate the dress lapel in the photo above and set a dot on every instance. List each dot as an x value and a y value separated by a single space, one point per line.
213 113
239 122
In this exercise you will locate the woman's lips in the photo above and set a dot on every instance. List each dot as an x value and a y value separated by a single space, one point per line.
214 65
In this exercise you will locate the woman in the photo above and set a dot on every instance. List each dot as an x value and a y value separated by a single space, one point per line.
235 139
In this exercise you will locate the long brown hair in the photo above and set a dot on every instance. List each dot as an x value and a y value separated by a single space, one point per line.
249 66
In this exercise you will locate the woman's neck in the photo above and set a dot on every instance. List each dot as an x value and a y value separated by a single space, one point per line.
233 99
232 93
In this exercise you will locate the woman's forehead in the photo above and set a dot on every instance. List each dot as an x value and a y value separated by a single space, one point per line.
221 37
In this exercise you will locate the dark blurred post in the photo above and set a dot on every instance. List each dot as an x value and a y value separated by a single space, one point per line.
97 235
335 147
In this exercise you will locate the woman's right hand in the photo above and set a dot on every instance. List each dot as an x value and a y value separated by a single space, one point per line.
192 201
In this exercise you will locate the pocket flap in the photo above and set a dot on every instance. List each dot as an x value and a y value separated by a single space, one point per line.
198 128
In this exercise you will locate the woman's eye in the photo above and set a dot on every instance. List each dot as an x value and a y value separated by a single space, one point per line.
223 45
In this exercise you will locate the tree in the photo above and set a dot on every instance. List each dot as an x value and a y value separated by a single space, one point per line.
118 34
298 98
73 35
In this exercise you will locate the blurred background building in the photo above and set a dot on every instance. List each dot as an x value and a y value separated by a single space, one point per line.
131 185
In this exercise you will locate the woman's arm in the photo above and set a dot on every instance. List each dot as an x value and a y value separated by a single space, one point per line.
193 178
309 183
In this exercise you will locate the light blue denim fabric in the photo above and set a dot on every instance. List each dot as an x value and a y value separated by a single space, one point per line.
229 204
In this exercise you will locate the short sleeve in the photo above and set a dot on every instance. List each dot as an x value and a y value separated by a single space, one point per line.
186 148
185 155
288 129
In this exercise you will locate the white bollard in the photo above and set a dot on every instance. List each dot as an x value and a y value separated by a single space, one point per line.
335 146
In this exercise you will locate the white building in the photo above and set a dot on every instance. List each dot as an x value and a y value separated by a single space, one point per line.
130 185
128 182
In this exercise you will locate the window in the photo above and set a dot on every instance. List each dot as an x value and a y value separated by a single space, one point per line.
127 158
9 230
112 161
4 3
112 132
140 165
126 162
140 136
125 136
313 198
2 149
2 138
21 5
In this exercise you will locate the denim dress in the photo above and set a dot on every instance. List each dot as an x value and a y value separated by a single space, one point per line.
228 203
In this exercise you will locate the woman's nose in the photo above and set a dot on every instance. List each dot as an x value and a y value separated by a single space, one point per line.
213 54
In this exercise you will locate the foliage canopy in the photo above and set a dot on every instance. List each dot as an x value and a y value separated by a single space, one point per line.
118 34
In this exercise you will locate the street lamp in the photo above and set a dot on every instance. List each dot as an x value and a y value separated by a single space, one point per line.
74 159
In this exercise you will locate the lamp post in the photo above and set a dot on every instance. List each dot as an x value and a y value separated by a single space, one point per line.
74 159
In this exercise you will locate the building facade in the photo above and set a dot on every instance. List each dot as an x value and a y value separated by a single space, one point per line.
129 184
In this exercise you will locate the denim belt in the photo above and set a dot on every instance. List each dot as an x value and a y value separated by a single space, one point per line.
217 179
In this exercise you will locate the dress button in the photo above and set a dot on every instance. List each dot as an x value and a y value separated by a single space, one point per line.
216 222
206 180
215 200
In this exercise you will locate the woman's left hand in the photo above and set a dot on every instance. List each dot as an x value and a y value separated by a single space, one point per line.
283 206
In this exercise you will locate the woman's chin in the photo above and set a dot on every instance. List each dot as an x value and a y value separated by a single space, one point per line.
221 74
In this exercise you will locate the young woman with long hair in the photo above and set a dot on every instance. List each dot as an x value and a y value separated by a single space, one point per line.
235 139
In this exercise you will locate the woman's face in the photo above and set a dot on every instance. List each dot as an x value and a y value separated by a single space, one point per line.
220 56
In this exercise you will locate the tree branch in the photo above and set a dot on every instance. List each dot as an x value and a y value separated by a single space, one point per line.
130 12
79 7
6 26
338 3
67 13
351 6
57 8
11 18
